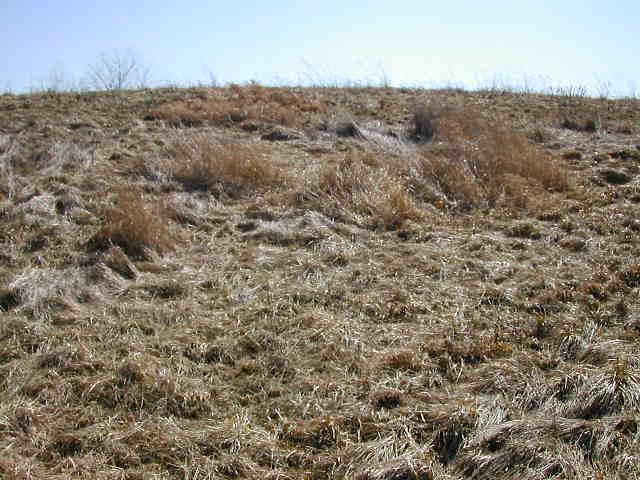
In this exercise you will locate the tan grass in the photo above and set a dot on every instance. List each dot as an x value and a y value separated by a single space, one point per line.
133 226
200 163
45 293
9 150
399 469
195 113
452 178
494 166
251 103
302 339
361 184
505 152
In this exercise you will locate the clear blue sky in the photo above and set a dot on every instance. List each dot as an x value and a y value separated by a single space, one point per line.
412 42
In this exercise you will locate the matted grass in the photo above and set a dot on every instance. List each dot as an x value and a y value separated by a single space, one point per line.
373 297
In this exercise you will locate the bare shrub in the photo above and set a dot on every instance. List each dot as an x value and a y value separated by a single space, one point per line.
117 71
132 226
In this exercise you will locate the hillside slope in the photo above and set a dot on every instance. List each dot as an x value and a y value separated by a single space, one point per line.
381 284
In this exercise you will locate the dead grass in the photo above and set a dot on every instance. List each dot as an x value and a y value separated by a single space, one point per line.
589 125
399 470
9 151
232 170
616 391
490 166
133 226
351 303
631 275
386 398
238 105
401 360
8 299
46 293
423 123
365 187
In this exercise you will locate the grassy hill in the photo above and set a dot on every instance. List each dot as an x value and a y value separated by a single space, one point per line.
381 284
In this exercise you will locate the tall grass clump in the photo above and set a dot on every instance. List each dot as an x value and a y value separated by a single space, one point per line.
200 163
133 226
366 188
478 163
423 123
8 152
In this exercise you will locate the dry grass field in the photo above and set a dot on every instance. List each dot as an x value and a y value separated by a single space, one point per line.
279 283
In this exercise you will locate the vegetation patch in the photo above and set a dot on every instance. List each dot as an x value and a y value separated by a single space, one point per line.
133 226
401 285
233 170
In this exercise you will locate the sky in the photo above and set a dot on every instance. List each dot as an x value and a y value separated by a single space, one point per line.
402 42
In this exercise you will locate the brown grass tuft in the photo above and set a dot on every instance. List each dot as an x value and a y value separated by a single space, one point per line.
398 470
117 260
67 444
396 207
131 372
490 165
423 123
386 398
452 178
8 299
364 185
589 125
613 391
132 226
401 360
505 152
316 433
200 163
631 275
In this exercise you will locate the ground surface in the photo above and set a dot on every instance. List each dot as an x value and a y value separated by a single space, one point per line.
277 283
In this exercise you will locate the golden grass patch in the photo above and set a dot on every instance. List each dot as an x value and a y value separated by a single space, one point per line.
133 226
200 163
